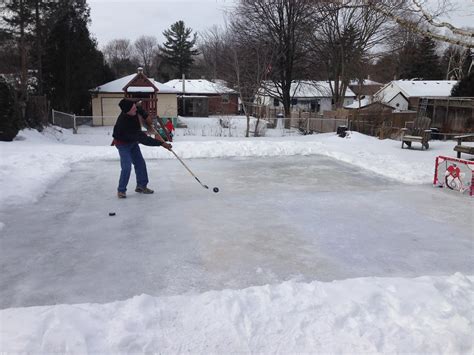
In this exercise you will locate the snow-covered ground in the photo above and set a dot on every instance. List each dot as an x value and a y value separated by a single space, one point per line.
314 244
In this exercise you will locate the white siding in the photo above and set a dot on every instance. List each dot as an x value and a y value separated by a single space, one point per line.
167 105
399 103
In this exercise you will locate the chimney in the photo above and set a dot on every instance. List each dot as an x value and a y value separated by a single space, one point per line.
140 70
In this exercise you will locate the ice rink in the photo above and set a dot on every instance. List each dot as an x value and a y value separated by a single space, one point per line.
274 219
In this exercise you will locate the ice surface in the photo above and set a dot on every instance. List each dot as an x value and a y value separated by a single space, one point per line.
274 219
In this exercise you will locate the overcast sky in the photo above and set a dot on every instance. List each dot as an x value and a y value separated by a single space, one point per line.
113 19
130 19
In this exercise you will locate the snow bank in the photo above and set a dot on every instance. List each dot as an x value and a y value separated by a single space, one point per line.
378 315
36 160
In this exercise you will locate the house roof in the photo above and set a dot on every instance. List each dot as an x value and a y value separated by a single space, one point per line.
377 105
118 85
364 102
308 89
365 82
200 86
424 88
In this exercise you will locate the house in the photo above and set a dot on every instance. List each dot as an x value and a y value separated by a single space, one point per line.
364 91
406 94
157 99
364 88
431 98
200 97
309 96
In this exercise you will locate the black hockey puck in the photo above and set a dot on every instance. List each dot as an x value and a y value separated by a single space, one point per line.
215 189
111 213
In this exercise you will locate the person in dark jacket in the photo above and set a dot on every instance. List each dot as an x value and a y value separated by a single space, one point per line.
127 134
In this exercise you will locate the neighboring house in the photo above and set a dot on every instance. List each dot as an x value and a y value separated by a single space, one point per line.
157 99
406 94
365 88
359 103
200 97
309 96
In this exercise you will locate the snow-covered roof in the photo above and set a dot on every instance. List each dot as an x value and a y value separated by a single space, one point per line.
427 88
118 85
413 88
140 89
308 89
200 86
365 82
364 102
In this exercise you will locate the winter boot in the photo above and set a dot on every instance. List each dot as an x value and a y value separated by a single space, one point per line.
121 195
144 190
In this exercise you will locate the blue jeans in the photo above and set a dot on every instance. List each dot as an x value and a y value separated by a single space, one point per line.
131 154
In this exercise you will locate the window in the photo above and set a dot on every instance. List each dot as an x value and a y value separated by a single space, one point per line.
225 99
276 102
294 102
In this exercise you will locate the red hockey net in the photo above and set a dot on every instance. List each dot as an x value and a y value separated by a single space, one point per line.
454 174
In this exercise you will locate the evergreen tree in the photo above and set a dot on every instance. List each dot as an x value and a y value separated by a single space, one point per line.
418 59
72 63
464 88
17 22
178 49
10 121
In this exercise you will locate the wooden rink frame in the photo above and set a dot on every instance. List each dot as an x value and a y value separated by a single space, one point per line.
455 174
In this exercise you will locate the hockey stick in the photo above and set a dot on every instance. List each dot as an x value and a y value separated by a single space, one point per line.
182 162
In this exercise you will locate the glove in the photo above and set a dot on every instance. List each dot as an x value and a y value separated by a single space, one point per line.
142 112
167 146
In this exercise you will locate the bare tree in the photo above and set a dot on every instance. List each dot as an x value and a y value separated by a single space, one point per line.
413 14
120 55
212 46
343 44
283 27
456 62
240 60
146 48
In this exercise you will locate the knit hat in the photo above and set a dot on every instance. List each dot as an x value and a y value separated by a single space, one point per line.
126 105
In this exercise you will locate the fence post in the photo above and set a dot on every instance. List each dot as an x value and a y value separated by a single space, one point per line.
52 113
74 128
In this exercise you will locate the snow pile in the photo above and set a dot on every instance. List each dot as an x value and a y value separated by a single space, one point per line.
381 315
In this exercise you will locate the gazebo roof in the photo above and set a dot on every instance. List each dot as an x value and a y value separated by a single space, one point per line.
129 84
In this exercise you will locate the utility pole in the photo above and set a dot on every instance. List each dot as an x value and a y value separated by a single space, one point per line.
184 91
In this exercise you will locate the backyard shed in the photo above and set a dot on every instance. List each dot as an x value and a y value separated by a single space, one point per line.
157 98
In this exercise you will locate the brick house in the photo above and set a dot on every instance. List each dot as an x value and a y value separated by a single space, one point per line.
200 97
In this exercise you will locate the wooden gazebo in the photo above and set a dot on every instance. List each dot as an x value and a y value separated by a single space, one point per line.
140 87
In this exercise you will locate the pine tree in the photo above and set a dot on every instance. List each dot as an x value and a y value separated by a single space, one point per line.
17 22
178 49
10 121
72 63
418 59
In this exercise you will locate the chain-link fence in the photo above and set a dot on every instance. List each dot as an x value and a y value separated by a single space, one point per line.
68 120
